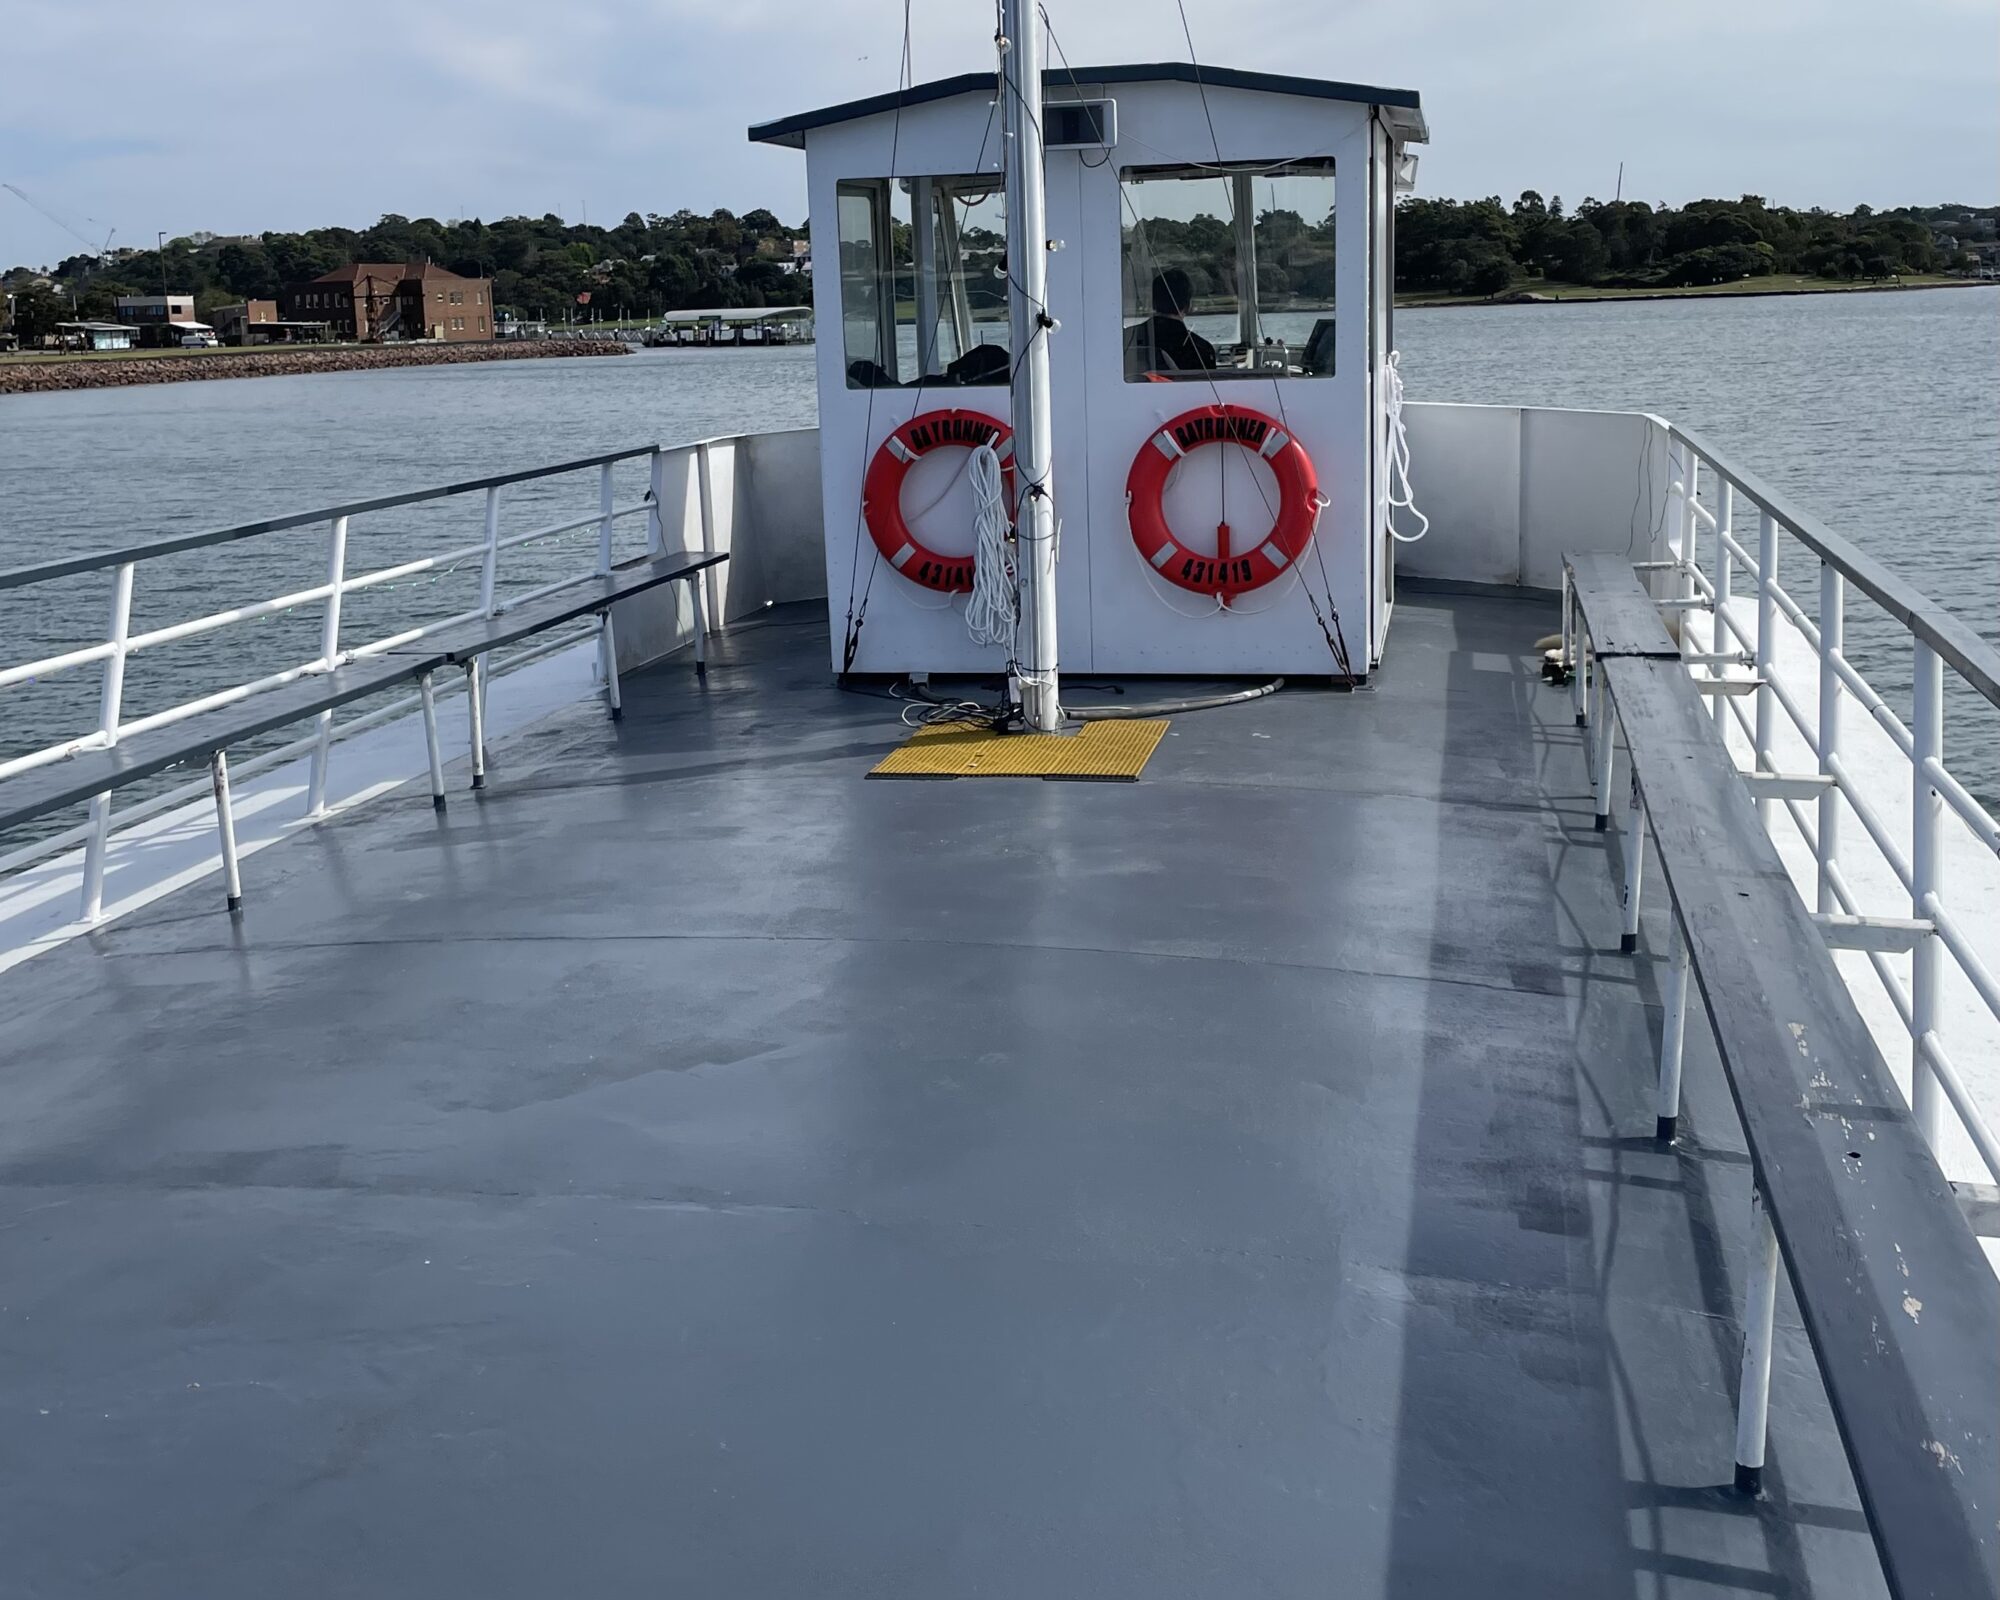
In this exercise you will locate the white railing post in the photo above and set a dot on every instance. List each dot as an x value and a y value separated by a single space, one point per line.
225 830
1605 729
1674 518
1760 1309
110 707
1926 840
705 480
1832 633
607 665
1635 865
427 696
604 518
1690 534
475 719
1718 635
1767 649
329 655
489 569
1673 1033
657 487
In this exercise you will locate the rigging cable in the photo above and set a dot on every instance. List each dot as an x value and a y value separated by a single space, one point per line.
852 643
1335 635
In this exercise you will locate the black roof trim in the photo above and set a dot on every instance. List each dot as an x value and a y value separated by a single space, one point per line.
788 130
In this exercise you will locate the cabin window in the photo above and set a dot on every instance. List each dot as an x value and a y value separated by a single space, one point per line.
1228 271
922 287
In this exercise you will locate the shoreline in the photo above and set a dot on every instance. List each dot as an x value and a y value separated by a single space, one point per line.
59 373
1566 294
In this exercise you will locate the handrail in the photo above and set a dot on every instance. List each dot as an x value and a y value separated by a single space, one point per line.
662 508
97 560
1915 863
1864 1224
1971 656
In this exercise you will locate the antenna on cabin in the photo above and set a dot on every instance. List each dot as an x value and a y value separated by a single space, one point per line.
1029 325
1620 193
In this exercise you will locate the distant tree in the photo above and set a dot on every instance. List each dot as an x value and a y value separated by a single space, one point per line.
37 310
97 300
1713 264
246 270
674 259
766 277
1492 273
1577 254
671 279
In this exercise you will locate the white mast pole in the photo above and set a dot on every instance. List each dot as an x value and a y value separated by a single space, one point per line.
1029 326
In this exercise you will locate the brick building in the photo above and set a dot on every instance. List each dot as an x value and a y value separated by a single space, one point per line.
372 301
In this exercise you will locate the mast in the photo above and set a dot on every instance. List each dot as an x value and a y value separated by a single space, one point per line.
1029 326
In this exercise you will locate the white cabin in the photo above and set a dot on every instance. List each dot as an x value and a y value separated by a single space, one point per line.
1226 190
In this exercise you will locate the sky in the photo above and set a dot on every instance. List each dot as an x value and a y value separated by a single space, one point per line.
284 117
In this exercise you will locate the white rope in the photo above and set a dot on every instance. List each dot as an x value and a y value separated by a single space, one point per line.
1398 447
991 609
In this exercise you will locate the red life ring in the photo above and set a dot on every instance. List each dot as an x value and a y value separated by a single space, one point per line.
1226 573
882 491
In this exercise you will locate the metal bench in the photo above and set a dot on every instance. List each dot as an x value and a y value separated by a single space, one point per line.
1900 1304
209 735
468 644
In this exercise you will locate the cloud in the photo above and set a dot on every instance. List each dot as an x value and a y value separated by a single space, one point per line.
288 118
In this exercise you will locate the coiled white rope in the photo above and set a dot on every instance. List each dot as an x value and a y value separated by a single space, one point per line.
992 609
1398 450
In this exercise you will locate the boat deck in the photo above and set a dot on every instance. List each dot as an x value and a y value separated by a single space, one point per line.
690 1169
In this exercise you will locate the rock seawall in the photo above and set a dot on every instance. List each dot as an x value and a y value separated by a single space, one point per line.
114 372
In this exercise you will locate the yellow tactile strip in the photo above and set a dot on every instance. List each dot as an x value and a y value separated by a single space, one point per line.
1105 750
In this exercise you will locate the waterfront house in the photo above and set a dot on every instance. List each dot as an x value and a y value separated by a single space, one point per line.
95 336
155 317
258 322
154 310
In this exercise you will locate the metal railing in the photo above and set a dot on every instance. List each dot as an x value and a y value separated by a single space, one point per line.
120 643
1748 662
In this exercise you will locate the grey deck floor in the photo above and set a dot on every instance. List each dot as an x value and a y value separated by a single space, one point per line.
693 1170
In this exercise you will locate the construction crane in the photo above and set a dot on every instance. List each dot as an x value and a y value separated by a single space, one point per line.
101 252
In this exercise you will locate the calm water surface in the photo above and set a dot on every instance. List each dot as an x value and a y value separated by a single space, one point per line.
1878 412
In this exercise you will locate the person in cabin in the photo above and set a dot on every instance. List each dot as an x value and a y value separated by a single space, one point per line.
1164 342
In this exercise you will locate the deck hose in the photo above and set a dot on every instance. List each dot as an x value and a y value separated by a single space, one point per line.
1168 708
1155 708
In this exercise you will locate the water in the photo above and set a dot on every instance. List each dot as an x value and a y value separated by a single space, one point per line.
1878 412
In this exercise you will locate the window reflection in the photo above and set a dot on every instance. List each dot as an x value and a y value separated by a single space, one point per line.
1229 272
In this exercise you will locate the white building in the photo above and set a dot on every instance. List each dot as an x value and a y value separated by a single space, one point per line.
1196 282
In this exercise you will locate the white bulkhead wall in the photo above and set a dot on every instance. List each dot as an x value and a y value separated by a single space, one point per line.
1115 615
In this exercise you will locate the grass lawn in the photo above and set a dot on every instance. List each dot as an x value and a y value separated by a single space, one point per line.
1777 283
18 357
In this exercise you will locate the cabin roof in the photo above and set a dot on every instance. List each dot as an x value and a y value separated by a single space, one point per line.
793 129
